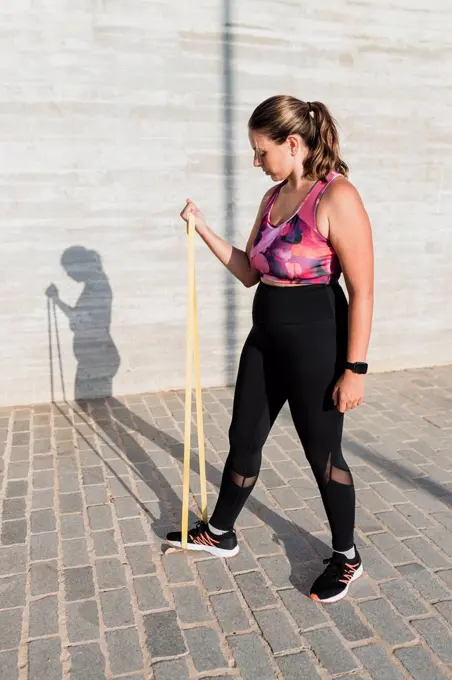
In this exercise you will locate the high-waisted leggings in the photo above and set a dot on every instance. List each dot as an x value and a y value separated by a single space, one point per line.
295 352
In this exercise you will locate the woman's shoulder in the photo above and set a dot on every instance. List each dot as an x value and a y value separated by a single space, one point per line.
339 192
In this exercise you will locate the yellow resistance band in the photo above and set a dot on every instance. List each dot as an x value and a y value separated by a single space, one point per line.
192 361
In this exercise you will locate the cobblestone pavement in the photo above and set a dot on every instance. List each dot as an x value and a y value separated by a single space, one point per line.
88 591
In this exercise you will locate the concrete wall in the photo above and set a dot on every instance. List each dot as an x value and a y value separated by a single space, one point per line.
113 111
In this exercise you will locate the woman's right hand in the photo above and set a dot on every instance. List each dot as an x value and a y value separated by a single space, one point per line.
191 209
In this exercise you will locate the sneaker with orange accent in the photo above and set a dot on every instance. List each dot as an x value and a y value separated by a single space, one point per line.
334 583
201 538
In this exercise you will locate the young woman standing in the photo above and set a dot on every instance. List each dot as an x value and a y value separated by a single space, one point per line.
307 345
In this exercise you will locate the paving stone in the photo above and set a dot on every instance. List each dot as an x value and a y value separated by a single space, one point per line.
297 667
44 616
417 518
43 479
367 522
79 583
205 650
149 593
44 659
14 531
377 661
44 577
70 502
176 567
404 598
75 552
110 573
277 630
124 651
10 628
12 591
18 470
389 492
437 636
429 587
104 543
229 612
445 518
96 495
170 670
427 552
305 611
305 519
13 559
140 560
99 517
42 498
364 587
445 608
163 635
43 520
16 488
92 475
419 664
13 508
386 622
131 530
252 658
286 498
392 548
442 538
20 453
255 590
278 569
82 621
348 622
126 507
9 665
117 608
213 575
375 565
329 649
43 462
397 524
189 605
446 576
44 546
243 561
68 483
72 526
87 661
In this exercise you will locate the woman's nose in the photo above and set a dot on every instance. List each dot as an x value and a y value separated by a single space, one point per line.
257 161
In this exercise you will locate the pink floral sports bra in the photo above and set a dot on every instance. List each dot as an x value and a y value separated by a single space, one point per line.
295 252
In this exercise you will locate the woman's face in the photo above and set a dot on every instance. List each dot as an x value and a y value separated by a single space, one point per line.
278 161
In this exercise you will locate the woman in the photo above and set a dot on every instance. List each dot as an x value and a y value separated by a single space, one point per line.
307 345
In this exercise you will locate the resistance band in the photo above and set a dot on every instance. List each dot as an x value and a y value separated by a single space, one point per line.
192 362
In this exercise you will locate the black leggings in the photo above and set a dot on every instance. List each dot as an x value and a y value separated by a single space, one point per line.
295 352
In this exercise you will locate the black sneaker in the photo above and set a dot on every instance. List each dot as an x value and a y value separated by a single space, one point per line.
333 584
201 538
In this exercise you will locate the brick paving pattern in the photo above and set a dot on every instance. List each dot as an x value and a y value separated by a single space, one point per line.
88 589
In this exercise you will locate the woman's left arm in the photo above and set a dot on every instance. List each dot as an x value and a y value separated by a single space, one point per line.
350 235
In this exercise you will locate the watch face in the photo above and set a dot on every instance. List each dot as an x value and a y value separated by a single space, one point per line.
360 367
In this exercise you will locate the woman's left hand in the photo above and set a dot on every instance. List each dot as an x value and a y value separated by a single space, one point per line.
349 391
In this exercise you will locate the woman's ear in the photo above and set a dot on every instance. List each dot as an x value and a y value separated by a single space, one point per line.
294 144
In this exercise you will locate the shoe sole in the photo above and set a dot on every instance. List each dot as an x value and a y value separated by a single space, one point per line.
359 572
217 552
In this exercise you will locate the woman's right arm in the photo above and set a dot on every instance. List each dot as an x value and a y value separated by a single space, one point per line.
235 260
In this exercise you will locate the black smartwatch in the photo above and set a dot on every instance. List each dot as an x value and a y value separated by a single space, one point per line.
357 367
